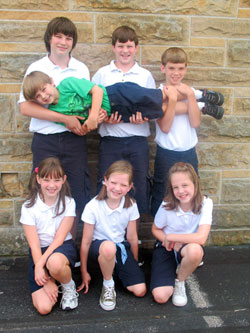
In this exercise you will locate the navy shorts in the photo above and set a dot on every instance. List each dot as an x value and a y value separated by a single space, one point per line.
128 273
164 264
68 248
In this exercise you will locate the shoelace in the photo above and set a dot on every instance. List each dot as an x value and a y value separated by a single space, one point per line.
108 294
68 293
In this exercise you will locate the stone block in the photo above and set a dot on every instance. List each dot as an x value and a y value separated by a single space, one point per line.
244 3
13 66
223 156
15 148
229 237
7 112
242 106
13 242
6 218
235 191
11 184
150 30
178 7
34 5
210 184
220 27
231 215
238 53
228 129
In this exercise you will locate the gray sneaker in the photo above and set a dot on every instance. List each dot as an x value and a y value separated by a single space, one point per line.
179 297
108 298
69 299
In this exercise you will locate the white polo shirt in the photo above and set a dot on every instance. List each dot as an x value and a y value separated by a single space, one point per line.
42 217
109 75
75 69
109 224
180 222
181 136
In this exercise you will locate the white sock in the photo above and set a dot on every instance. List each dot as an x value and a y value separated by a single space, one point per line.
108 283
198 93
201 105
70 284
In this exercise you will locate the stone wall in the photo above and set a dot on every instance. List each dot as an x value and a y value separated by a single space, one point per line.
214 33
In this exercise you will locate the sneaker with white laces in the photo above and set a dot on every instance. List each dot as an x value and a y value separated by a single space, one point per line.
179 297
212 97
69 299
108 298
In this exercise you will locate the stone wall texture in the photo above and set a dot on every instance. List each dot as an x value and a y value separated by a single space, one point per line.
215 35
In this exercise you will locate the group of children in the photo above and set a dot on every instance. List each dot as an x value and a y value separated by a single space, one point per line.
122 97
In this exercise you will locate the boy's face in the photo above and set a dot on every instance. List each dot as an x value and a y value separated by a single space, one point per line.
61 44
47 94
125 53
174 72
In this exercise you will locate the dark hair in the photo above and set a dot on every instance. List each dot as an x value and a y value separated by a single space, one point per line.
176 55
60 25
49 167
33 82
123 167
171 201
123 34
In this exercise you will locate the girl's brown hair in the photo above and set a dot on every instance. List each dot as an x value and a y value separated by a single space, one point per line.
170 199
60 25
123 167
49 168
34 82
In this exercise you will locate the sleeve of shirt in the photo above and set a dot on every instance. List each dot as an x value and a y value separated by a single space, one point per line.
27 216
81 87
70 207
134 212
97 78
151 82
160 219
206 212
88 214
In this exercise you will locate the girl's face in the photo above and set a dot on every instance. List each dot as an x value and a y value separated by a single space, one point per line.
183 189
50 187
117 186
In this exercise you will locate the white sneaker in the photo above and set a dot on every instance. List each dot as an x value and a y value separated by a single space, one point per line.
179 297
108 298
69 299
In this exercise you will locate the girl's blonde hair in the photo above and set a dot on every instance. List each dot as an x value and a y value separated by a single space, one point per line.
50 167
34 82
123 167
171 201
176 55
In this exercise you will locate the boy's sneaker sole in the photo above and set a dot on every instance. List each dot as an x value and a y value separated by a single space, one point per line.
212 97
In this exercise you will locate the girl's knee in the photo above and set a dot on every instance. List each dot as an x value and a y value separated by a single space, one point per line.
139 290
56 263
195 252
162 294
43 308
107 250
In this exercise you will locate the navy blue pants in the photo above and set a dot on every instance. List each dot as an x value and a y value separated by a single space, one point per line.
164 160
127 98
135 150
71 150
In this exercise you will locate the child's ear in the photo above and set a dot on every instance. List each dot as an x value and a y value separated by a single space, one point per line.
105 181
52 81
64 178
38 179
162 68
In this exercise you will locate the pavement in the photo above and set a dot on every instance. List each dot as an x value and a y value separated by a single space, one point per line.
218 301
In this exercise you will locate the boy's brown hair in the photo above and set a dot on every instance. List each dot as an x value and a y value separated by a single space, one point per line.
33 82
176 55
124 34
60 25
